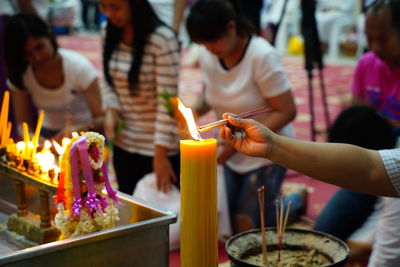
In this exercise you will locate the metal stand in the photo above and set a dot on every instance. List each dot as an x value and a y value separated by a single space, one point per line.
40 230
313 56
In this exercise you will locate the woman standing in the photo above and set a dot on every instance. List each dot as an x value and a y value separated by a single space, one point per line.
241 71
140 60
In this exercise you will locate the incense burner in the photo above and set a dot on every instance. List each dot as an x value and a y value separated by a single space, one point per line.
241 247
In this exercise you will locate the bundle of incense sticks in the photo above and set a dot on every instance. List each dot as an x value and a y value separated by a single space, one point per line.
281 221
263 237
245 115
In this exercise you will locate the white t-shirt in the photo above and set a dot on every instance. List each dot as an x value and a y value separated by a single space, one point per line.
386 248
79 73
259 75
164 9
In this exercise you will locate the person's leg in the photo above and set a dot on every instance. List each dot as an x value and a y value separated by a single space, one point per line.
130 168
344 213
84 13
233 183
248 211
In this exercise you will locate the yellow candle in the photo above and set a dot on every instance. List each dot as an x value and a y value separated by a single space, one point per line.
35 138
199 238
6 135
25 130
4 112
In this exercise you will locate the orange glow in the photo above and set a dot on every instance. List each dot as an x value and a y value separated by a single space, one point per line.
46 146
187 113
21 147
45 160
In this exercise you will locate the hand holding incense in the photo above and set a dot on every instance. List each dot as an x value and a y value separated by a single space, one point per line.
248 114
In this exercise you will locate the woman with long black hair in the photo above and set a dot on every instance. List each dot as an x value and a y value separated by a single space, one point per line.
140 61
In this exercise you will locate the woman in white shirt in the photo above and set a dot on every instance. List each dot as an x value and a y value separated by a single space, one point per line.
61 82
241 71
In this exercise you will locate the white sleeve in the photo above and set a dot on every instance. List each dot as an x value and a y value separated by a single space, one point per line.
270 75
84 71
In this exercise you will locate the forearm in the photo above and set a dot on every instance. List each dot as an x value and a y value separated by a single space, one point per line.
178 14
275 120
344 165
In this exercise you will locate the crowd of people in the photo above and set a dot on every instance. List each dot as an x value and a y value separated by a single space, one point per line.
239 71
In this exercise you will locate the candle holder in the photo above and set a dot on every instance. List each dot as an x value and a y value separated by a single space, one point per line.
26 164
18 162
36 227
52 175
3 151
35 168
10 159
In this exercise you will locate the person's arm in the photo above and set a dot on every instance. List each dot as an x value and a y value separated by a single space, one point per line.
200 107
283 111
179 9
93 97
344 165
22 108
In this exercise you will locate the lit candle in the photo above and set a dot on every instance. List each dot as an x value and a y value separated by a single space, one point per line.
35 138
199 239
4 114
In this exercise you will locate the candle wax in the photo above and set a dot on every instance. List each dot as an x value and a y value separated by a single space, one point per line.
199 238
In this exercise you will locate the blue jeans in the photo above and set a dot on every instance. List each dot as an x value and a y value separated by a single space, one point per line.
242 192
345 212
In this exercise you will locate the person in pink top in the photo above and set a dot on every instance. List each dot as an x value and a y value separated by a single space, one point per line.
377 84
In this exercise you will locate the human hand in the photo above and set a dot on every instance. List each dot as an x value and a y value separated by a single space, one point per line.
248 136
163 169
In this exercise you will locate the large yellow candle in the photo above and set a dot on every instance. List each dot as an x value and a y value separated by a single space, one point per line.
199 237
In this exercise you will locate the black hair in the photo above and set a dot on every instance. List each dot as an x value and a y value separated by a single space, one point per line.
144 22
18 29
208 20
393 5
362 126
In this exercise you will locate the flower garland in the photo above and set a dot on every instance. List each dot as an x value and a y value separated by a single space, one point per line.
82 206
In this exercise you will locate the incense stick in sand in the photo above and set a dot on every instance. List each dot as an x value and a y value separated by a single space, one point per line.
263 238
281 221
248 114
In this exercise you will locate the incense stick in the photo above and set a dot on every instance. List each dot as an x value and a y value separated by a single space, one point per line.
263 238
281 221
247 114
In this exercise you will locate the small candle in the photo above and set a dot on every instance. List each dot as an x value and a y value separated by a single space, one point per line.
199 239
4 114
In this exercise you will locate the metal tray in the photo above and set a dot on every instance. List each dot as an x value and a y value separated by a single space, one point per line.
141 237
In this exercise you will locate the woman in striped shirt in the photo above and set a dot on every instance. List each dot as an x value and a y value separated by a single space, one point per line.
140 61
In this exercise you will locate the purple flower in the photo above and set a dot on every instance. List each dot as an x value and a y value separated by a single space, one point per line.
76 207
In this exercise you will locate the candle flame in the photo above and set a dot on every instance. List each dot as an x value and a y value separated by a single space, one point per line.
45 160
47 144
188 115
58 148
21 146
